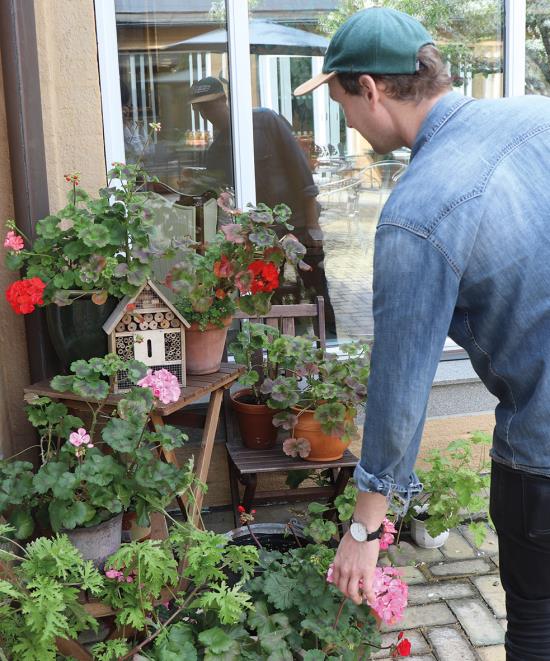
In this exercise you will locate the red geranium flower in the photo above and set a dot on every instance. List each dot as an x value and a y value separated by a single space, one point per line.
403 647
24 295
265 276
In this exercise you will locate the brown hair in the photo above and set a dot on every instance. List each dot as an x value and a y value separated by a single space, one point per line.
430 79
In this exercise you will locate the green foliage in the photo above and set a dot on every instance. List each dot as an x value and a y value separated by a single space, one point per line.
455 489
39 600
82 486
310 379
210 285
147 568
111 650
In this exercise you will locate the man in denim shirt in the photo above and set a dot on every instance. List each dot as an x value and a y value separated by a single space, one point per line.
462 249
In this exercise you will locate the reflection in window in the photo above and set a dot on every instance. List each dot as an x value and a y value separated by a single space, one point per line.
537 47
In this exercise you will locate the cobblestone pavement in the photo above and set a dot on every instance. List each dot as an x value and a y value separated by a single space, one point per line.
456 606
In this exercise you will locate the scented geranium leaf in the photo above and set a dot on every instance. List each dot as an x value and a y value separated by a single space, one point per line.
229 603
23 523
75 249
110 650
62 383
91 388
216 640
135 405
49 475
321 530
101 469
279 590
68 424
95 236
69 515
121 435
136 370
170 437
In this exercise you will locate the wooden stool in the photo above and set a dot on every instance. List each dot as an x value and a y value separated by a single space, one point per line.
245 464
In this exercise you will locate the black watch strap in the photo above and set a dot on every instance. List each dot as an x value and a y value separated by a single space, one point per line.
376 534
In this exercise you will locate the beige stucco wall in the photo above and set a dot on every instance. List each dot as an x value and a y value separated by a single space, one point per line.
71 101
14 373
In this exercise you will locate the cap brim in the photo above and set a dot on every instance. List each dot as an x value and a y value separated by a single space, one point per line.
314 83
208 97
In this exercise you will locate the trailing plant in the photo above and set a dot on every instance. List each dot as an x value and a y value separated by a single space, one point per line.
455 489
106 244
39 597
242 263
89 475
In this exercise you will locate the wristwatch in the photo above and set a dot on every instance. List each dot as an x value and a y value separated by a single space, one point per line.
360 533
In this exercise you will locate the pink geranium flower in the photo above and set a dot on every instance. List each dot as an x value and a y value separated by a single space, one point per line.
391 593
164 385
80 437
13 241
388 534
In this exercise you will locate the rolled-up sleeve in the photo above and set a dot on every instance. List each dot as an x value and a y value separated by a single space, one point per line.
415 291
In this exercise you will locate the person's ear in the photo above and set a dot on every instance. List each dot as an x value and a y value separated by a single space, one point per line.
368 88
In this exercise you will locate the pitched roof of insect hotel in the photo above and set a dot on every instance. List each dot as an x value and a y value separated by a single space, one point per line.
121 309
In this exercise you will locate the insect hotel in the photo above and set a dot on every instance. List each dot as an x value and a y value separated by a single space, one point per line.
148 328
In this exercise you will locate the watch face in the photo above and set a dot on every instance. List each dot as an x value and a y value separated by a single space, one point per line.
358 532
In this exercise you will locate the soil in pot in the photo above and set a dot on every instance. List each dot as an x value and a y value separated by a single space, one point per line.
323 446
204 349
255 421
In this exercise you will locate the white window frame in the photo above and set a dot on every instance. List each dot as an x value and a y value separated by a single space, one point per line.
240 92
514 47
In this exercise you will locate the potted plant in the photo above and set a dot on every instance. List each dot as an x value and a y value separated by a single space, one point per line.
239 268
317 397
454 490
85 257
89 477
258 347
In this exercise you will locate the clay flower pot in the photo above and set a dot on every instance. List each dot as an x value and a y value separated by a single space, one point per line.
323 446
204 349
255 421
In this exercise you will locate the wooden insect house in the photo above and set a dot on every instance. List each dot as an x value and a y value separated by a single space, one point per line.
148 328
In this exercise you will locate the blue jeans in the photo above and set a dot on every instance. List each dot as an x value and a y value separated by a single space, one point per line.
520 509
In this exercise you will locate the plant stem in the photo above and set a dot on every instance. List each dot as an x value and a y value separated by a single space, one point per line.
342 604
256 540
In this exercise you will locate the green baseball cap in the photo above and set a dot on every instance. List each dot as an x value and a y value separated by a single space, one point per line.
376 40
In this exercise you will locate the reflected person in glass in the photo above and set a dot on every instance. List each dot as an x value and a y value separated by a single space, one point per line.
461 249
283 175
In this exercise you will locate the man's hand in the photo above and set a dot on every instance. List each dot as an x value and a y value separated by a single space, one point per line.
354 562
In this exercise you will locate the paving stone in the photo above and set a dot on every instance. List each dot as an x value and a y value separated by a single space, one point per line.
492 653
477 621
489 546
410 554
426 594
456 547
491 590
423 616
503 623
461 568
412 575
450 645
418 644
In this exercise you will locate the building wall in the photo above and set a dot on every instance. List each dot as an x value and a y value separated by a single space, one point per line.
71 99
14 375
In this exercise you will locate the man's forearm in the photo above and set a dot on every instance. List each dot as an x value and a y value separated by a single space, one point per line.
371 509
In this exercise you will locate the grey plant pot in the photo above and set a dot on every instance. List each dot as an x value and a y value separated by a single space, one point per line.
98 542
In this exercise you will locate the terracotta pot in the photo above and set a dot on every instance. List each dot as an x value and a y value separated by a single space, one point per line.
204 349
131 532
323 446
255 422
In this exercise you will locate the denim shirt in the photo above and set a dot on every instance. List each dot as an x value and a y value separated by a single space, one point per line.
462 249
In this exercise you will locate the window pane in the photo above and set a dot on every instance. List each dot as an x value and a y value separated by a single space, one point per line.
165 46
537 47
336 217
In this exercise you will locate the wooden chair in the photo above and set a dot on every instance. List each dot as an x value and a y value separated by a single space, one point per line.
245 464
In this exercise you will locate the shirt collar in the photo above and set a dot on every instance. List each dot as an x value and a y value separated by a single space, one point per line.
442 111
